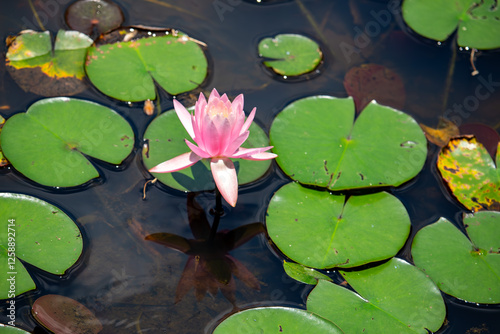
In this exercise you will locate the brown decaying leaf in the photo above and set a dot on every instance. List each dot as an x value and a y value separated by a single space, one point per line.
375 82
441 135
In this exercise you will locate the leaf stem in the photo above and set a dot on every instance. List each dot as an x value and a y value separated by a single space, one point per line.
217 214
35 14
451 70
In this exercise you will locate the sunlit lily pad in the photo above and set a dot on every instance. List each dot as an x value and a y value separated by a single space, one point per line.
318 143
275 320
466 269
394 297
126 63
50 143
484 134
165 137
321 230
41 235
62 314
375 82
470 173
37 69
476 22
303 274
12 330
290 54
93 16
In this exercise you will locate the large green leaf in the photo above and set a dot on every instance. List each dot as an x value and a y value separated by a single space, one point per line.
476 22
51 141
470 173
126 63
37 69
37 233
276 320
318 143
290 54
321 230
166 135
394 297
466 269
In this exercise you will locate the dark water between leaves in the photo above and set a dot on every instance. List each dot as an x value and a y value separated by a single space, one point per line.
130 283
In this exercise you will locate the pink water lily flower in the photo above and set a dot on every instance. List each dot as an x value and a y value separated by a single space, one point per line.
219 128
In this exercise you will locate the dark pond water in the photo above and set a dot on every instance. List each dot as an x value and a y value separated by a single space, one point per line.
129 283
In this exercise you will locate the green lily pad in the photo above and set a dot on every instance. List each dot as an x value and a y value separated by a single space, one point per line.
3 161
470 173
290 54
318 143
476 22
321 230
88 16
275 320
126 63
166 135
12 330
394 297
304 274
51 141
37 69
37 233
466 269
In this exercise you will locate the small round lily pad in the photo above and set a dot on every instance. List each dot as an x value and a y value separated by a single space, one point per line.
89 16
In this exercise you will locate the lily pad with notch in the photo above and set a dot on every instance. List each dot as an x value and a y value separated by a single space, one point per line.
466 268
165 137
319 143
476 22
38 69
37 233
290 54
51 142
126 63
393 297
321 230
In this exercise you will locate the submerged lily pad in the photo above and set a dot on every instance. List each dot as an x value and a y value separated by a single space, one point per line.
50 143
394 297
89 16
476 22
37 69
37 233
290 54
126 63
304 274
375 82
62 314
321 230
470 173
165 137
466 269
276 320
318 143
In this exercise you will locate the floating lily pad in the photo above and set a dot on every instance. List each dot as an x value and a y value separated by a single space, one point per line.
466 269
303 274
126 63
3 161
476 22
62 314
318 143
166 135
375 82
321 230
394 297
93 16
37 233
12 330
470 173
484 134
290 54
276 320
37 69
50 143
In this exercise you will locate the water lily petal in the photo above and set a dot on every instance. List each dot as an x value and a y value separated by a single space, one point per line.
235 144
213 95
248 121
185 117
179 162
225 178
210 137
254 153
197 150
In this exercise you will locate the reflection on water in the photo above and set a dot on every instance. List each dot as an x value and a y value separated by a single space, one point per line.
130 283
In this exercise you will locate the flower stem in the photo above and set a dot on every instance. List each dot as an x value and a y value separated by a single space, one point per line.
217 214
